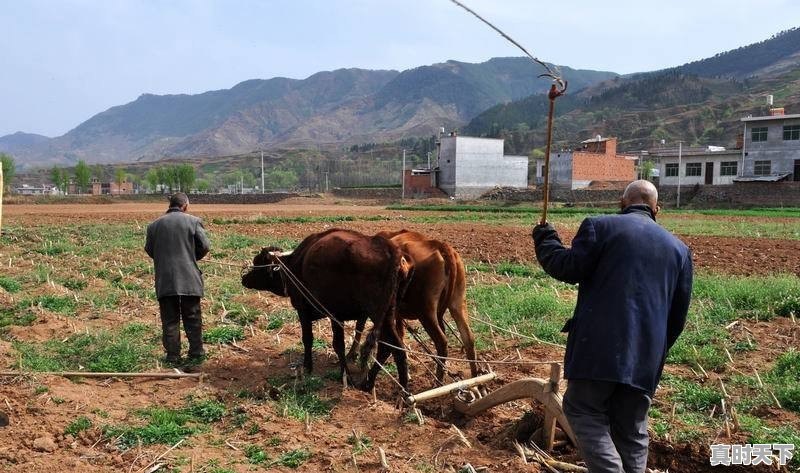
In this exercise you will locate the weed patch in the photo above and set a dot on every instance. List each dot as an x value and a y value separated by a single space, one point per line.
255 454
10 284
530 308
300 399
167 426
130 349
78 425
294 458
223 334
61 304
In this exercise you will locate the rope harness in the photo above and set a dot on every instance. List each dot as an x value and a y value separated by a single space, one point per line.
306 293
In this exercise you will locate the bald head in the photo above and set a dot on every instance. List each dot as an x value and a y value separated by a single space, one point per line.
640 192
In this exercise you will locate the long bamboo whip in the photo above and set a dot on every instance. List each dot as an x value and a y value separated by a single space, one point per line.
554 93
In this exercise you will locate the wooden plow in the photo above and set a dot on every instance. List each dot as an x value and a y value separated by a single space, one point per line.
469 401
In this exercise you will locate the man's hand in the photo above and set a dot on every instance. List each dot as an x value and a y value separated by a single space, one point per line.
542 231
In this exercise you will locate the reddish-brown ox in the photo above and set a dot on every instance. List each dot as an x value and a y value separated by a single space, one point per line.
437 283
352 276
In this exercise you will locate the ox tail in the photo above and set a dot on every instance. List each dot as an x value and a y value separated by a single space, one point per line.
398 274
454 271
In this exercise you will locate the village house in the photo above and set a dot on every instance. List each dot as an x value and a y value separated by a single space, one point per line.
470 166
768 150
771 147
711 165
111 188
596 160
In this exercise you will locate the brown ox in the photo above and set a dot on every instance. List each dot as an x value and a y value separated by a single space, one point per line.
437 283
353 276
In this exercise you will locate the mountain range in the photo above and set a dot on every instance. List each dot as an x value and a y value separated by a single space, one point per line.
697 102
334 107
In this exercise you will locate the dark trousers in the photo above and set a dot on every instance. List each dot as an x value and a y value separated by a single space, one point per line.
173 310
610 423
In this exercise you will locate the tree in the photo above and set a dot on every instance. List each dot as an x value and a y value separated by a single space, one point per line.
9 169
82 176
646 170
119 178
153 179
60 178
185 176
98 172
281 179
238 178
202 185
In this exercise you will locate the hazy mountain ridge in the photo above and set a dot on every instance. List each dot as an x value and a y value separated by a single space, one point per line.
699 101
333 107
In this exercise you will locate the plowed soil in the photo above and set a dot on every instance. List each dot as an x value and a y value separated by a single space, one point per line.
433 446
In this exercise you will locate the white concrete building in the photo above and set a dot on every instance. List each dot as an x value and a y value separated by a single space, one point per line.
706 166
470 166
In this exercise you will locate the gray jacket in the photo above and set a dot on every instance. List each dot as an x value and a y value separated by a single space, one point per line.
175 241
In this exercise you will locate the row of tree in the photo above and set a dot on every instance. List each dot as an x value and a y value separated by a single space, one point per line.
82 176
178 177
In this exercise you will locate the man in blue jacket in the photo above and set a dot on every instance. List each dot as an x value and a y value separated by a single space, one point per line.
635 283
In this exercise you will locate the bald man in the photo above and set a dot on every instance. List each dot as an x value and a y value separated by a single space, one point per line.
634 285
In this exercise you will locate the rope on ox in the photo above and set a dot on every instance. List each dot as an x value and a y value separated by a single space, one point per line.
305 292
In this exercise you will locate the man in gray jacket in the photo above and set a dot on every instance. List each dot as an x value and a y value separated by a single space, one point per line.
175 241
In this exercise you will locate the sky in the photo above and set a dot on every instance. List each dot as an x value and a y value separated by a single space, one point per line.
62 61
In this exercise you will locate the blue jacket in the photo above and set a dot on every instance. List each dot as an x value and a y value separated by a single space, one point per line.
635 283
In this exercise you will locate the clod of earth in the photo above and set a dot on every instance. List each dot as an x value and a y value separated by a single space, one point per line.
45 444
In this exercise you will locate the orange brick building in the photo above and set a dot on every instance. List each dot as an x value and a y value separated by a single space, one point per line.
596 160
113 188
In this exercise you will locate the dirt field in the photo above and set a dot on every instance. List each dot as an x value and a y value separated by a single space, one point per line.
236 375
475 241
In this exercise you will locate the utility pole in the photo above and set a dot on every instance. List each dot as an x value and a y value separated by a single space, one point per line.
262 171
403 177
680 149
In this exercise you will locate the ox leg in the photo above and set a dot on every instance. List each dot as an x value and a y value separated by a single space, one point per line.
381 357
435 331
459 313
400 355
338 347
308 343
352 354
